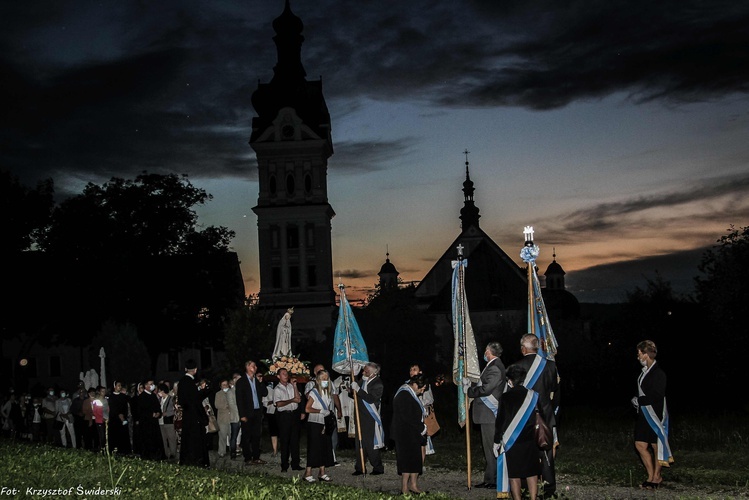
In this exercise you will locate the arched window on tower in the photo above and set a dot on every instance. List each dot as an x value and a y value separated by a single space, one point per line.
308 184
292 236
290 184
272 185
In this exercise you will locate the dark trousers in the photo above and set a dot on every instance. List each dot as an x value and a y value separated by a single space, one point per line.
288 437
547 473
235 426
367 443
79 427
251 430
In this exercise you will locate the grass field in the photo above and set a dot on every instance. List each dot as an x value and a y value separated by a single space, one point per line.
596 448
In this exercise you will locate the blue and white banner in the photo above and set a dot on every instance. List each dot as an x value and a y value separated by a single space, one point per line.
348 344
465 355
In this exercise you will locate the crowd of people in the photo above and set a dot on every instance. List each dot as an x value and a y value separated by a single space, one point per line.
165 421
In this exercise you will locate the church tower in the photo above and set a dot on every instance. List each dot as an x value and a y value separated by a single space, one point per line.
291 136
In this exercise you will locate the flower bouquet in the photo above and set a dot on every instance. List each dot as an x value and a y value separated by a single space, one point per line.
296 367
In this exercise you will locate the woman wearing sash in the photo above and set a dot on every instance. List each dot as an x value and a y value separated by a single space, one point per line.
409 432
319 444
521 450
651 428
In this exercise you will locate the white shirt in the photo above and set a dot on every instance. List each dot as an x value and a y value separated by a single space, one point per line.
317 417
284 393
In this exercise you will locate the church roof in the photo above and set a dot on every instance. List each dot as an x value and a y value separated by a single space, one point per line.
388 268
554 268
493 280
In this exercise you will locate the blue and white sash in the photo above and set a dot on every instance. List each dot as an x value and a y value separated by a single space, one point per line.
319 398
379 440
665 458
534 372
508 439
424 413
491 403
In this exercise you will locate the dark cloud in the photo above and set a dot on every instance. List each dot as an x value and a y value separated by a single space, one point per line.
166 86
354 273
368 156
610 282
606 216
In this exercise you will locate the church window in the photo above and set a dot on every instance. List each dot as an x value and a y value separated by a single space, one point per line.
312 275
287 131
274 237
308 184
272 185
292 237
276 277
309 235
290 184
293 276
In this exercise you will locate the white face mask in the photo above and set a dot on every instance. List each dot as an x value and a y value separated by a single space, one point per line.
51 393
226 389
643 362
364 377
324 383
62 394
151 387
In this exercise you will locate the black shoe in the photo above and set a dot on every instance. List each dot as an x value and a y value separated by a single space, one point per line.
247 460
357 473
486 485
284 470
233 456
297 468
377 472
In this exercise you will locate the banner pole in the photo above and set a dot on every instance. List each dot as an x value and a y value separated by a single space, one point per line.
356 399
465 369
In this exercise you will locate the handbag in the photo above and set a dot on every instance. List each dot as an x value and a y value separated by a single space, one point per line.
331 424
212 424
544 436
431 422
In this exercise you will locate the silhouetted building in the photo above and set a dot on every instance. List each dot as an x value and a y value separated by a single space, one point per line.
560 303
291 137
496 286
388 274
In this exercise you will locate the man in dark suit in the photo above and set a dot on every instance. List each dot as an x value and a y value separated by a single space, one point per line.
250 393
487 394
542 377
368 397
194 418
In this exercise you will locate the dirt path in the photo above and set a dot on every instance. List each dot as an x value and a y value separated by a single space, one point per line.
453 483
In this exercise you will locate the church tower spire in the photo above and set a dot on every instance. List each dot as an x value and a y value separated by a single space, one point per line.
469 214
292 140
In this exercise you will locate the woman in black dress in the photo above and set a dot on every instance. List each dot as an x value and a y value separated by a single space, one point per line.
319 443
522 457
651 386
409 432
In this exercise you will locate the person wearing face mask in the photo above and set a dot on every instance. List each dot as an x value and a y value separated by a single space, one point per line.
100 417
65 418
149 412
319 443
486 395
651 429
337 410
225 415
409 431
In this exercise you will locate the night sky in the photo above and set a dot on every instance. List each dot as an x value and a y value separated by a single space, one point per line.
617 129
